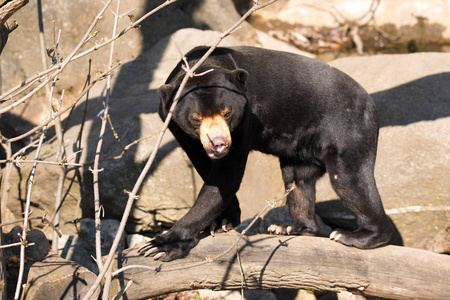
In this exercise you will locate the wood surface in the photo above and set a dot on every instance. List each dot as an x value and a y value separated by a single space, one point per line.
294 262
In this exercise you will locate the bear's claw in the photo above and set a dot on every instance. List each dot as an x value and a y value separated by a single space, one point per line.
148 249
159 255
226 226
280 229
291 230
169 246
335 236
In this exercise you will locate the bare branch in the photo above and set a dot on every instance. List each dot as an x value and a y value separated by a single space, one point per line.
98 246
25 161
28 200
102 76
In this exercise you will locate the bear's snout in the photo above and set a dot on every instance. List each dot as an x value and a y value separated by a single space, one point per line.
215 136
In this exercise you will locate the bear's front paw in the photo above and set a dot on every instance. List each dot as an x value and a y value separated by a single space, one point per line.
168 246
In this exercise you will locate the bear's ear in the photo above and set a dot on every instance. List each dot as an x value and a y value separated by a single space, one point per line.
240 77
165 93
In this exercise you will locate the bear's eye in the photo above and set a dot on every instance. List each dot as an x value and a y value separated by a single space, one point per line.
226 114
196 120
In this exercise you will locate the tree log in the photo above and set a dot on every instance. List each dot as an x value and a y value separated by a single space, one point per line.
294 262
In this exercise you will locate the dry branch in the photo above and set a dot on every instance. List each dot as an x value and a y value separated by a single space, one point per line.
293 262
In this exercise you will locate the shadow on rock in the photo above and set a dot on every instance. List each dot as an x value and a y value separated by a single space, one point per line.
423 99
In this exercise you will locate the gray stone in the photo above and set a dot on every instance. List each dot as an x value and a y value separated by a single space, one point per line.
81 249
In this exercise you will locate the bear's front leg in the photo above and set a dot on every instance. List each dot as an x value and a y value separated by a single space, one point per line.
184 235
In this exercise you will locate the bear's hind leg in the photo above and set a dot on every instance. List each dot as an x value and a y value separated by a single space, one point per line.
355 185
301 201
228 219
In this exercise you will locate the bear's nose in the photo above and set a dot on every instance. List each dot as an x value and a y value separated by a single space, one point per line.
219 145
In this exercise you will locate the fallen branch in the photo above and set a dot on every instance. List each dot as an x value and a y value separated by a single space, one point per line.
292 262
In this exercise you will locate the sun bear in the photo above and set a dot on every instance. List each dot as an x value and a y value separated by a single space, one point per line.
315 118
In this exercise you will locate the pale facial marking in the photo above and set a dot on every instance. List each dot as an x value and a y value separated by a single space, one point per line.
215 136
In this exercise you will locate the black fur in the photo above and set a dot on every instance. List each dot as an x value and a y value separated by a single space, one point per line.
315 118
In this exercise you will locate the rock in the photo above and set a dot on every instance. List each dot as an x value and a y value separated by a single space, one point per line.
136 240
44 194
46 274
81 249
73 18
109 230
57 278
441 242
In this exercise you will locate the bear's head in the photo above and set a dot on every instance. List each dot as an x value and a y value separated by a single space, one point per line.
210 109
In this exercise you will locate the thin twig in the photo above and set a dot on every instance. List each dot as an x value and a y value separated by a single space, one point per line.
101 76
28 200
27 161
116 136
123 291
98 243
43 220
6 186
15 244
124 150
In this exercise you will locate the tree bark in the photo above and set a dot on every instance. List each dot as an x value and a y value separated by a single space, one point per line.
311 263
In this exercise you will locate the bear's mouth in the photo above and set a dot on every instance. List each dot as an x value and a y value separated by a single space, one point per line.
218 147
